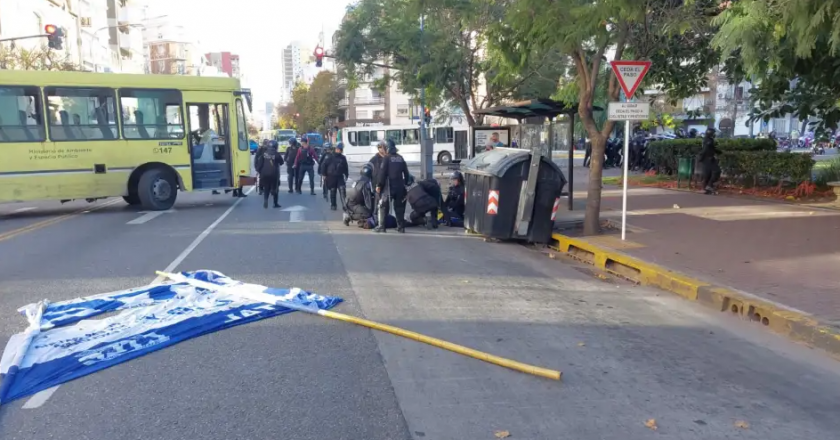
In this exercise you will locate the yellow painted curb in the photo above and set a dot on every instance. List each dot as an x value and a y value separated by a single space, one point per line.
796 325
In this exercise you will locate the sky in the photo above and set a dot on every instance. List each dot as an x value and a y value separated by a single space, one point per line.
256 30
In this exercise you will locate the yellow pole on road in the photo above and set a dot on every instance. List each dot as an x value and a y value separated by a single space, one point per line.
486 357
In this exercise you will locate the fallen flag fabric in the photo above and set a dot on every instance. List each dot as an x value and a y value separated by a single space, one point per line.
62 343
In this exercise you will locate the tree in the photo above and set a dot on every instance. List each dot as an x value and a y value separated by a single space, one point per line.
312 105
285 116
450 59
253 130
14 57
790 51
671 32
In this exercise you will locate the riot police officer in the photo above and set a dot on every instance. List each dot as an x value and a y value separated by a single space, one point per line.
390 186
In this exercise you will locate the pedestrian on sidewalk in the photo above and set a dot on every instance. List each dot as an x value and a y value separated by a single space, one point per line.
709 161
268 166
291 156
305 165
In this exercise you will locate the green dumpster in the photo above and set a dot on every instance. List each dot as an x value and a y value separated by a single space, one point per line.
685 170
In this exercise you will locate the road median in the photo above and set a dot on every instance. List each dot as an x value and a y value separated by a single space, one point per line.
794 324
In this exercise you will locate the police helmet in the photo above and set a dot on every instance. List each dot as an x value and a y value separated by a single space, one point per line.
339 146
692 133
272 145
392 147
292 142
367 170
382 145
456 175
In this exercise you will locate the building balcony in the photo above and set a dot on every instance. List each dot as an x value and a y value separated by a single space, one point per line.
344 103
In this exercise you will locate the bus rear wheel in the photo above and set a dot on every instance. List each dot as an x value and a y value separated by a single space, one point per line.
445 158
157 190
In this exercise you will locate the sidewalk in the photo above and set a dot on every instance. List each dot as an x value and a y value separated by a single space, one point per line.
782 253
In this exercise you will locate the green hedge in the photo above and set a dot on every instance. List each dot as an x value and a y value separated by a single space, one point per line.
665 154
769 167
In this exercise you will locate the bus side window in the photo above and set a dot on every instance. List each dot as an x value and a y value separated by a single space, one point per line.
151 114
445 135
353 138
376 136
411 137
21 115
394 135
364 138
96 110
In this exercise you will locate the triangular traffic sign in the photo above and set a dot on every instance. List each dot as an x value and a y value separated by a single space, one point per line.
630 75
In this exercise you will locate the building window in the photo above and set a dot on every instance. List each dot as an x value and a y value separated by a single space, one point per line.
77 114
362 114
379 114
20 115
151 114
402 110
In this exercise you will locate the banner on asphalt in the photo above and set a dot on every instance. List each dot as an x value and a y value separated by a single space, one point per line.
62 343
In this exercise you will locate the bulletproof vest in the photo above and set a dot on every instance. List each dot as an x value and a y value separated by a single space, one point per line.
292 153
396 166
334 164
307 157
269 166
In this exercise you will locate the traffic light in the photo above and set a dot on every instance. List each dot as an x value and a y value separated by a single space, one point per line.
55 37
427 115
319 56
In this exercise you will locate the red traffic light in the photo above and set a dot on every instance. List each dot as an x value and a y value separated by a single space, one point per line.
50 29
319 51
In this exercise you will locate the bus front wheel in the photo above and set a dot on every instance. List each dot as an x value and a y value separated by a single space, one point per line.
445 158
132 199
157 190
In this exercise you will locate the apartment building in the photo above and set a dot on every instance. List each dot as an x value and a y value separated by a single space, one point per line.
125 35
168 48
225 62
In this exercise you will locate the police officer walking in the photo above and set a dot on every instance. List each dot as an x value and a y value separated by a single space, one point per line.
268 165
291 155
335 172
390 186
305 165
708 158
325 153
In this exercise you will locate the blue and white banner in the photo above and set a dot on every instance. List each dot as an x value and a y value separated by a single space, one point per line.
61 343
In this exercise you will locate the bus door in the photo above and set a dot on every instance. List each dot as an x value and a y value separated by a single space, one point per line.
461 150
210 143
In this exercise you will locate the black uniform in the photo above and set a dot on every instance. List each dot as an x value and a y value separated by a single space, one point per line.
424 198
291 154
335 172
711 169
376 162
454 204
257 154
391 180
325 153
268 165
360 201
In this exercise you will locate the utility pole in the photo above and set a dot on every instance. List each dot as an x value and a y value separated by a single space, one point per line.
426 146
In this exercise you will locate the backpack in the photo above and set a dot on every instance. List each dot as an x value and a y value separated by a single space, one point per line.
307 158
267 165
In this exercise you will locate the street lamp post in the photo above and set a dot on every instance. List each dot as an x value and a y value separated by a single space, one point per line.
426 148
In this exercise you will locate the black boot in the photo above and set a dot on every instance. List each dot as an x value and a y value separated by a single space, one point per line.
276 205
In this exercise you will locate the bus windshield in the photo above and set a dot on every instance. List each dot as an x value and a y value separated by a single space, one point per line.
285 135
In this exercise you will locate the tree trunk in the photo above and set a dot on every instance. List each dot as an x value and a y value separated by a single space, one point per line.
592 218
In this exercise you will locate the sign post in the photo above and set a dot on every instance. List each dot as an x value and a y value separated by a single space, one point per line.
630 75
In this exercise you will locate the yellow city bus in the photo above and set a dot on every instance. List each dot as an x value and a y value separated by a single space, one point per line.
77 135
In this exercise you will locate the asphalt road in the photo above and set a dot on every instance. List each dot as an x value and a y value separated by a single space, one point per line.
628 354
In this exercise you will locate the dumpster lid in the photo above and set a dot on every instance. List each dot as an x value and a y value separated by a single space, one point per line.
497 161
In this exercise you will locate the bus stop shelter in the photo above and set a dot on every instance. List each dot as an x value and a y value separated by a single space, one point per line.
541 109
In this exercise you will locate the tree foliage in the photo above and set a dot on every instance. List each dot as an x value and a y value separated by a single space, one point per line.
14 57
312 106
671 32
450 58
790 49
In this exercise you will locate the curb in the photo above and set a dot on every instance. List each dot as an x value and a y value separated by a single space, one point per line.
794 324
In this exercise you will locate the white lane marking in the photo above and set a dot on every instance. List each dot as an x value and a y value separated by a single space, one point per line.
296 213
200 238
148 215
19 210
40 398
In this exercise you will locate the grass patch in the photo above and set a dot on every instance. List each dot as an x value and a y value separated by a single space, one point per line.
641 179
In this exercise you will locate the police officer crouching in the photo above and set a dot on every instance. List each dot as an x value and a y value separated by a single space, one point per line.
390 187
455 203
361 198
424 198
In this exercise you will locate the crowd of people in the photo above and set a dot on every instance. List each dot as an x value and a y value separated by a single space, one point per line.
384 183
